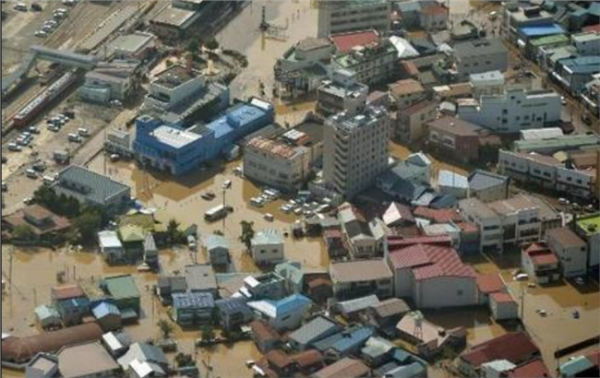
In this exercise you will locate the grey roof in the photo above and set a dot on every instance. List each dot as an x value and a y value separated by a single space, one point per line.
481 180
318 328
200 277
391 307
193 300
233 306
215 241
479 47
291 271
413 370
149 243
358 304
143 352
177 284
81 183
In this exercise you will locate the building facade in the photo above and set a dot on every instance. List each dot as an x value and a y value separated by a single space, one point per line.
342 17
480 55
342 93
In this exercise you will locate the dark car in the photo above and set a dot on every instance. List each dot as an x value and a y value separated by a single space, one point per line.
36 7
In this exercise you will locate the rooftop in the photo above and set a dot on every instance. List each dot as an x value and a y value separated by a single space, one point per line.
276 149
404 87
430 261
490 283
268 236
193 300
175 16
344 368
565 237
83 183
455 126
590 225
482 180
360 270
533 31
96 360
473 48
313 330
513 347
532 369
200 277
174 137
347 41
283 307
121 287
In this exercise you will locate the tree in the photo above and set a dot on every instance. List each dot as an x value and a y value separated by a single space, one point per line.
208 333
165 327
174 235
23 232
211 44
184 360
194 46
247 233
88 224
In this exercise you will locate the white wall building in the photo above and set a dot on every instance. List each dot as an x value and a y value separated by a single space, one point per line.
487 83
268 247
480 55
513 111
336 17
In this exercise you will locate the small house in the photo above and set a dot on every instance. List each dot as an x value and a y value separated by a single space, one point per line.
265 286
108 316
150 251
267 247
71 302
143 352
193 308
42 366
168 286
48 316
86 361
116 343
264 336
217 249
110 246
353 308
233 312
344 343
503 306
283 314
125 295
316 329
386 314
200 278
344 368
293 274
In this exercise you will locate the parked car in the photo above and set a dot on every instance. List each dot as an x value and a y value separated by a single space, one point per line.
14 147
75 138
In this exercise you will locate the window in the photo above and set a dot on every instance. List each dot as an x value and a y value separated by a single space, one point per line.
459 292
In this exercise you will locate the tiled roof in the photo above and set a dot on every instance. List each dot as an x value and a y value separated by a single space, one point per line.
430 261
279 359
360 270
406 86
501 298
437 215
263 331
67 292
315 329
347 41
344 368
307 358
490 283
513 347
532 369
397 212
397 243
193 300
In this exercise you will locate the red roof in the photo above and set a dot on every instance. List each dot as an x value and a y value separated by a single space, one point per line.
591 28
435 10
540 254
501 297
490 283
397 242
308 358
514 347
438 215
410 68
347 41
430 261
67 292
532 369
594 357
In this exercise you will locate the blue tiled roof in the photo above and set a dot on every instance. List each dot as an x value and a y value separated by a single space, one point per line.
233 305
314 330
346 340
193 300
541 30
105 309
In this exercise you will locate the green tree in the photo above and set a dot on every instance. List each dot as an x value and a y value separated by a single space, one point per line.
194 46
247 233
23 232
211 44
174 235
184 360
166 328
88 224
208 333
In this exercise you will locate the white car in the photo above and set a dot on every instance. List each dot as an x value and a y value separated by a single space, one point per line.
41 34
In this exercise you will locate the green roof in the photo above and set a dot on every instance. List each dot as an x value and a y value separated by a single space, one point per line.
131 233
121 287
146 221
549 40
590 225
567 141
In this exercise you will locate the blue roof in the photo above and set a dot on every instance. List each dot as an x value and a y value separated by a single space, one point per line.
345 341
233 306
314 330
73 303
192 300
582 64
235 118
452 179
283 307
541 30
105 309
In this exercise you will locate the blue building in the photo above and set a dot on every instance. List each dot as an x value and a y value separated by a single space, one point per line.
177 150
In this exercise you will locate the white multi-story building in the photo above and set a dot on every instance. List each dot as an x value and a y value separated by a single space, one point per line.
356 150
336 17
480 55
487 83
341 93
268 247
512 111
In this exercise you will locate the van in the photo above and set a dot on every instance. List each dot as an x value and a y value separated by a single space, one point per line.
21 7
493 16
257 202
83 132
30 173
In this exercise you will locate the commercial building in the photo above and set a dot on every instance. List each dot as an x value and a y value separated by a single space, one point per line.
550 146
481 55
587 44
268 247
110 81
409 125
92 189
356 150
431 276
535 46
352 279
180 94
233 313
571 250
341 17
512 111
574 73
373 63
178 150
138 45
342 93
588 228
487 83
516 17
455 138
173 23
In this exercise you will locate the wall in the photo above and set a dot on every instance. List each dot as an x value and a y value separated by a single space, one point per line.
445 292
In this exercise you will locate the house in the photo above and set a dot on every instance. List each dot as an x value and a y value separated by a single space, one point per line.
407 92
125 294
293 274
398 215
335 243
308 362
110 81
264 336
42 222
116 343
200 278
92 189
497 368
353 308
487 83
344 368
319 289
170 285
588 228
376 351
452 184
434 17
42 366
352 279
359 234
265 286
108 316
286 313
427 337
503 306
314 330
488 186
570 249
267 247
344 343
140 353
48 316
88 360
408 180
386 314
540 263
233 312
279 363
455 138
532 369
71 302
488 284
193 308
411 121
110 246
432 276
217 248
150 251
515 347
581 366
145 369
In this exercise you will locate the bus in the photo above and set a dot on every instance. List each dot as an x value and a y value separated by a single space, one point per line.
217 212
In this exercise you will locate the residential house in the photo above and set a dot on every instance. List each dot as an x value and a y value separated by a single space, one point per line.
410 122
71 302
108 316
452 184
570 249
217 249
426 336
406 181
540 263
358 233
488 284
193 308
407 93
48 316
352 279
386 314
110 246
150 251
200 278
515 347
432 276
455 138
376 351
398 215
264 336
233 313
286 313
342 344
267 247
533 368
277 363
335 243
293 274
503 306
42 366
42 222
313 331
319 289
308 362
434 17
170 285
344 368
144 369
116 343
92 189
142 352
88 360
265 286
125 294
487 186
353 309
